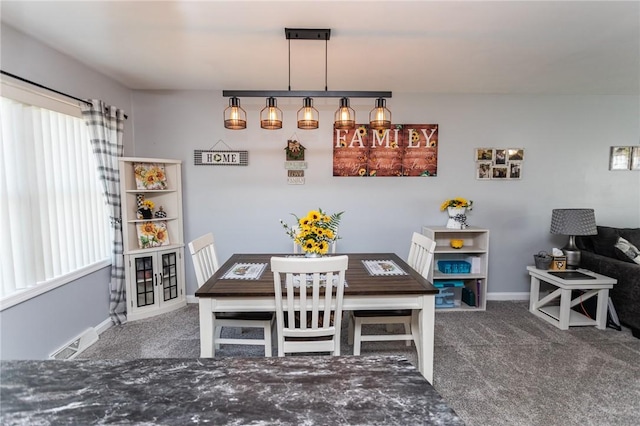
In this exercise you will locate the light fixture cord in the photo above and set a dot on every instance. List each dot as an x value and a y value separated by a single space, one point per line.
289 64
326 42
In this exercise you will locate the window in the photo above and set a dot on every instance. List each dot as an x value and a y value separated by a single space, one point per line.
53 219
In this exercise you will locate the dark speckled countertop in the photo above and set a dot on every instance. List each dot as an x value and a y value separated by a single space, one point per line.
225 391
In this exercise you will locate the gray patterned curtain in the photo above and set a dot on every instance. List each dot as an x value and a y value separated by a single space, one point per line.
106 126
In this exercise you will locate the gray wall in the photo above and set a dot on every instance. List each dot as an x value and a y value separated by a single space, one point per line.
566 141
37 327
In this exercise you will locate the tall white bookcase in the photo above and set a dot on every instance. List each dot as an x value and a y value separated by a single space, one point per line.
475 250
155 281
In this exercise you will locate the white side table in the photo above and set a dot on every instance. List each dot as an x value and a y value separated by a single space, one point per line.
562 316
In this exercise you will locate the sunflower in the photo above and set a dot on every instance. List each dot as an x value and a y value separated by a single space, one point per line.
415 137
161 234
309 245
323 247
362 171
362 130
313 216
148 228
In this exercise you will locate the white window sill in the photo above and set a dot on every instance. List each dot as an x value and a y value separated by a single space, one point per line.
29 293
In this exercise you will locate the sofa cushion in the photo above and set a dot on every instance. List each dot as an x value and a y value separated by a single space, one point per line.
604 242
630 234
629 251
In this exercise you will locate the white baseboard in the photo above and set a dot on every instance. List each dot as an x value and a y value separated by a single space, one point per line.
508 296
192 299
104 326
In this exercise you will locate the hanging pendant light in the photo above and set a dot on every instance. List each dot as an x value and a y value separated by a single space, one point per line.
235 118
271 116
380 116
345 116
307 115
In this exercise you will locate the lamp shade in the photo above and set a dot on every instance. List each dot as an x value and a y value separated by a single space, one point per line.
307 115
345 116
235 118
271 116
380 116
573 222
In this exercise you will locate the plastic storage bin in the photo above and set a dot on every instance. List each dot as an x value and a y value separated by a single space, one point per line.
454 266
450 293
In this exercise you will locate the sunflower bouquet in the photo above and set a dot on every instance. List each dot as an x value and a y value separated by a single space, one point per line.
457 202
315 231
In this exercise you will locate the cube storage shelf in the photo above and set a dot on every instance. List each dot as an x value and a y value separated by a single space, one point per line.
475 251
155 280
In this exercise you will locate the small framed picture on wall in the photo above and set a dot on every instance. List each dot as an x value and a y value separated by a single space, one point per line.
515 170
499 172
635 158
515 154
620 158
483 170
484 154
501 156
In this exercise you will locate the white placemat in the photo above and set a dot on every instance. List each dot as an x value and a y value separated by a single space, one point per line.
245 271
383 267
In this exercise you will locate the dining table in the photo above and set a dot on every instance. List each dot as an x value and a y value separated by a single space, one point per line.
374 281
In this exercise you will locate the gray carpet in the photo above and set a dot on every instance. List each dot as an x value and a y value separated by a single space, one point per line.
499 367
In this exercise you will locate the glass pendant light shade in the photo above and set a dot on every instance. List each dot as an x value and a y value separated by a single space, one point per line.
307 115
345 116
271 116
380 116
235 118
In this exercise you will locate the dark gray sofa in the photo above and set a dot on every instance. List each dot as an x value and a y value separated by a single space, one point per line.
600 255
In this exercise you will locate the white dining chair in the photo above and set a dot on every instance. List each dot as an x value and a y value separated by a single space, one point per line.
297 249
420 258
308 297
205 262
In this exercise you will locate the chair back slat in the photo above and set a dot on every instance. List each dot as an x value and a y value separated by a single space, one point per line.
205 260
421 253
313 290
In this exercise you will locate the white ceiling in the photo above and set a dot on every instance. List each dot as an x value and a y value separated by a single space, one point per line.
561 47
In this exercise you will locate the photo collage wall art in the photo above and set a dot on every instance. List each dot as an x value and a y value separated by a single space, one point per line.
499 163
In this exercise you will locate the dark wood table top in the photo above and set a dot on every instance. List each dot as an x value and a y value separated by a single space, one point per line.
359 281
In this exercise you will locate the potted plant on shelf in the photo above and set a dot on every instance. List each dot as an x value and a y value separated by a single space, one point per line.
457 208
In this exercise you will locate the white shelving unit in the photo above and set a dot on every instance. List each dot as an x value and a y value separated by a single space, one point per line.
154 275
475 249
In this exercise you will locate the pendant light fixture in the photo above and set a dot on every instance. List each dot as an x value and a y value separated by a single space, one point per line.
235 118
345 116
271 116
380 116
307 115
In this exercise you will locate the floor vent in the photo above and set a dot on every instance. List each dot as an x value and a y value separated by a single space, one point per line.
76 346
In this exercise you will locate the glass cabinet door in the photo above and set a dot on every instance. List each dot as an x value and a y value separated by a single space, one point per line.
169 276
144 280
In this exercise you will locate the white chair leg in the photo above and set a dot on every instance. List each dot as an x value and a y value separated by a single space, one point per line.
407 330
217 333
350 330
357 332
267 340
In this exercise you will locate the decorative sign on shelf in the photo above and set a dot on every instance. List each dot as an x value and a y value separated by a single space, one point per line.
402 150
295 163
227 157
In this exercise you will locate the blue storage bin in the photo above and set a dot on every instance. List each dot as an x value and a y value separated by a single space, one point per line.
454 266
450 293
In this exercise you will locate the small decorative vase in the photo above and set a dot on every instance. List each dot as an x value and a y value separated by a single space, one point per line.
457 218
139 200
146 213
312 255
456 244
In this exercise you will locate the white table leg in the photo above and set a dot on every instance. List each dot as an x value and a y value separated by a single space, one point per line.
206 327
426 322
534 293
601 310
565 309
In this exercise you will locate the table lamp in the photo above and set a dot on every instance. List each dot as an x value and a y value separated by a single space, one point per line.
573 222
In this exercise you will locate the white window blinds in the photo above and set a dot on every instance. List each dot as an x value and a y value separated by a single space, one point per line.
53 219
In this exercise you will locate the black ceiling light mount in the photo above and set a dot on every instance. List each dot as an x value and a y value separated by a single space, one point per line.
306 117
